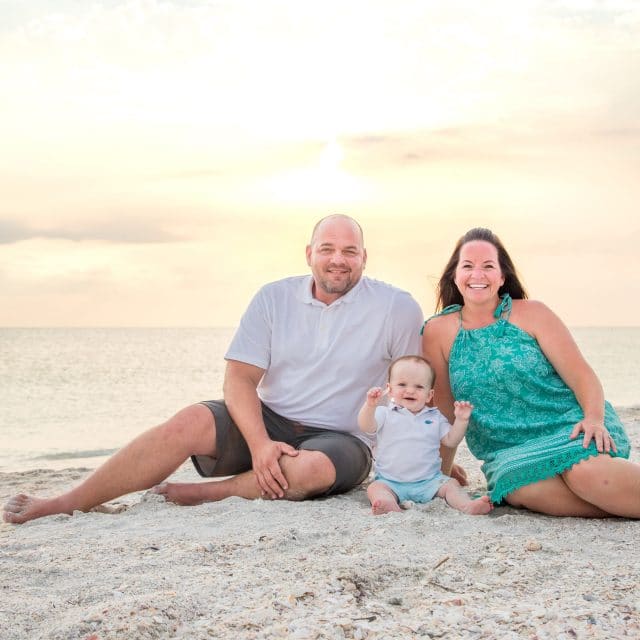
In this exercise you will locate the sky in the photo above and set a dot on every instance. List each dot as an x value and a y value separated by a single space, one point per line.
161 160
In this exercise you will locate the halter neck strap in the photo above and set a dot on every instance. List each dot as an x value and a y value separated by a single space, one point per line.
504 308
452 308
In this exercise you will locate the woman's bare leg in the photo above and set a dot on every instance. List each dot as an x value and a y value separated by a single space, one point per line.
612 484
553 497
144 462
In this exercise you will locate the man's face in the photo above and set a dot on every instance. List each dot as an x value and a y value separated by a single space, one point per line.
337 258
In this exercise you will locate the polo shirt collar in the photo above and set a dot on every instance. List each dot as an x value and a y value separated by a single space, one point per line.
397 407
305 293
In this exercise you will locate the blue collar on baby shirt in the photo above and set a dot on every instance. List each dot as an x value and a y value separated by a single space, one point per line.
396 407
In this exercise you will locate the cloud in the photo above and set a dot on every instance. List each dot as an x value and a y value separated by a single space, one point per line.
530 141
12 231
466 144
116 231
589 13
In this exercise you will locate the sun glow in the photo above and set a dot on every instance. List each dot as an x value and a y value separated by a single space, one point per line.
323 182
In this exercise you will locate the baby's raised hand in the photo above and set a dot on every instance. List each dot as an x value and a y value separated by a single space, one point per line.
373 395
462 409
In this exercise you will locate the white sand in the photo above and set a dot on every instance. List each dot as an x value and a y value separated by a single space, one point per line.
320 569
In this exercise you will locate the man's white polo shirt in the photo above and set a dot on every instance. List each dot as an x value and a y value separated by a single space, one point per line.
320 359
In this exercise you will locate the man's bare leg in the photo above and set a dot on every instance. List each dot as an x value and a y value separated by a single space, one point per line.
309 473
145 461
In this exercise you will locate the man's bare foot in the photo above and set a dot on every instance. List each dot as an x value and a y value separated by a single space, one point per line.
186 494
384 505
22 508
479 506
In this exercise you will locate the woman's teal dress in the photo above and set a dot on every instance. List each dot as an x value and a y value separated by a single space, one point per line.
523 410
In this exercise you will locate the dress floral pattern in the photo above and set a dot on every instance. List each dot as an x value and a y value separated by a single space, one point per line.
523 410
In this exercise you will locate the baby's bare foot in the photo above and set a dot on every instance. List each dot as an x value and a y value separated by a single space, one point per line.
479 507
22 508
381 506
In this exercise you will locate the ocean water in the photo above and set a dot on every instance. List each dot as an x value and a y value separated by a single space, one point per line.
71 397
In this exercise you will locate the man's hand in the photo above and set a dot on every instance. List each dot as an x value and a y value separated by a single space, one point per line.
269 475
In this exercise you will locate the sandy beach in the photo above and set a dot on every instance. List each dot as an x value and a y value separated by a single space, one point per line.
319 569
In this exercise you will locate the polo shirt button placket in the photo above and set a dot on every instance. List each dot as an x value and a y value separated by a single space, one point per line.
322 328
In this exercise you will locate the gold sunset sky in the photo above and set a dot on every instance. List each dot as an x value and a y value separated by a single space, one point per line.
161 160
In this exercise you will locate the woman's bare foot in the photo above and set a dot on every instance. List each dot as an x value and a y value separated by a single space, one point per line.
22 508
384 505
479 507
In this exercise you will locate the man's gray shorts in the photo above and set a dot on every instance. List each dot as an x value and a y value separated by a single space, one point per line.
350 457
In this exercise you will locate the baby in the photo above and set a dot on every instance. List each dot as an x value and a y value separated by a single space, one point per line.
409 435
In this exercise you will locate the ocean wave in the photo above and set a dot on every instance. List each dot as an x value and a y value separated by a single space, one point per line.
72 455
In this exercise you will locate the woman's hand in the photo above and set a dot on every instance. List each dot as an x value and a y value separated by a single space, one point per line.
594 430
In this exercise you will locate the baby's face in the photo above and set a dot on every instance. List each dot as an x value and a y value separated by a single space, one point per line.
410 385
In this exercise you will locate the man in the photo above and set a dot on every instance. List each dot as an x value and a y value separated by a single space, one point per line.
306 351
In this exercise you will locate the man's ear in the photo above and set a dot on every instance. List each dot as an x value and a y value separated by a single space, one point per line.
308 254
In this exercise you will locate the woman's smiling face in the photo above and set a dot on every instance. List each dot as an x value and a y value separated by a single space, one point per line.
478 275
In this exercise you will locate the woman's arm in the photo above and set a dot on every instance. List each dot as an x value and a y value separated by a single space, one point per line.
437 338
563 353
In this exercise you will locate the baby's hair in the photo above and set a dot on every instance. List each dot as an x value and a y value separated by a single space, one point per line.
418 360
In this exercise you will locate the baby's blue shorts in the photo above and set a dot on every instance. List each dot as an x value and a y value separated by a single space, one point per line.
420 491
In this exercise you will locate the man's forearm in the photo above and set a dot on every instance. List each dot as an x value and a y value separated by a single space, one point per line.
243 403
241 396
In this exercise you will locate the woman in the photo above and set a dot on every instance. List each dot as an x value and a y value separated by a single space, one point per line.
548 440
